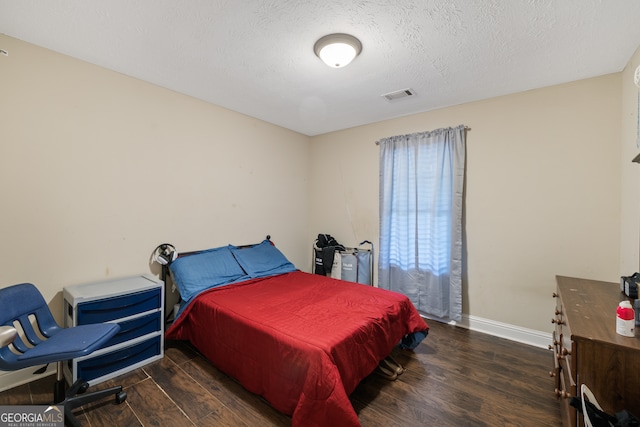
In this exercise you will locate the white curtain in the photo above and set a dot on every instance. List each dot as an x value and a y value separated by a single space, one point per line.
421 186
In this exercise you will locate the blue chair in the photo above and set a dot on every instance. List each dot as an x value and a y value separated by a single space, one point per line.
30 336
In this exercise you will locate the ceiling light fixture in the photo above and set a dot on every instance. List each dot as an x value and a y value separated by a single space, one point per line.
337 50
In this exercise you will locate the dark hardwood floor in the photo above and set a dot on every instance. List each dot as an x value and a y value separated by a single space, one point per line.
455 377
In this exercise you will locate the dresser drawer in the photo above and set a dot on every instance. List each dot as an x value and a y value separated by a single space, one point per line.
137 327
108 309
564 371
118 360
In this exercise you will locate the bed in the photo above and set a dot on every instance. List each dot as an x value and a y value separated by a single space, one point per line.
302 341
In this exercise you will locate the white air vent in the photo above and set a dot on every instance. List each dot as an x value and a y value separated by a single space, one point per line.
398 94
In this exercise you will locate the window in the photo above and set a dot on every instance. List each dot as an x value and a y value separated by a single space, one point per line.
421 183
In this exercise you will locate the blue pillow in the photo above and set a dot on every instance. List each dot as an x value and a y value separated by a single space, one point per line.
207 269
262 260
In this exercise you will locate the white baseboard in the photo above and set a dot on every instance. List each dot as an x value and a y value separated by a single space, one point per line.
505 330
11 379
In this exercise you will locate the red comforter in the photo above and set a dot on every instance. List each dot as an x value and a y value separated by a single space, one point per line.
302 341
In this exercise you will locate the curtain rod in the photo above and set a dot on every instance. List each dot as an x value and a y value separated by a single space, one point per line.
465 128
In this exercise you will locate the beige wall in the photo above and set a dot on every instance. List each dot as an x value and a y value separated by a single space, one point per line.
97 168
630 172
542 194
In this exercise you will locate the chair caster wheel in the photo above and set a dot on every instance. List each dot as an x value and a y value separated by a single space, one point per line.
83 387
121 397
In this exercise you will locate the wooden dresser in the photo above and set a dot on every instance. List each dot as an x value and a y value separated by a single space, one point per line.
587 349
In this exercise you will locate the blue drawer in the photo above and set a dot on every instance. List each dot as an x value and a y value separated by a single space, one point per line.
113 308
107 363
137 327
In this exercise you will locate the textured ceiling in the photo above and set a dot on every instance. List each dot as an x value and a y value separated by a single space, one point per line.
256 56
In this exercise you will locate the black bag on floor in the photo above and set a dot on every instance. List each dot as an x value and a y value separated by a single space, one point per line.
323 250
594 416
